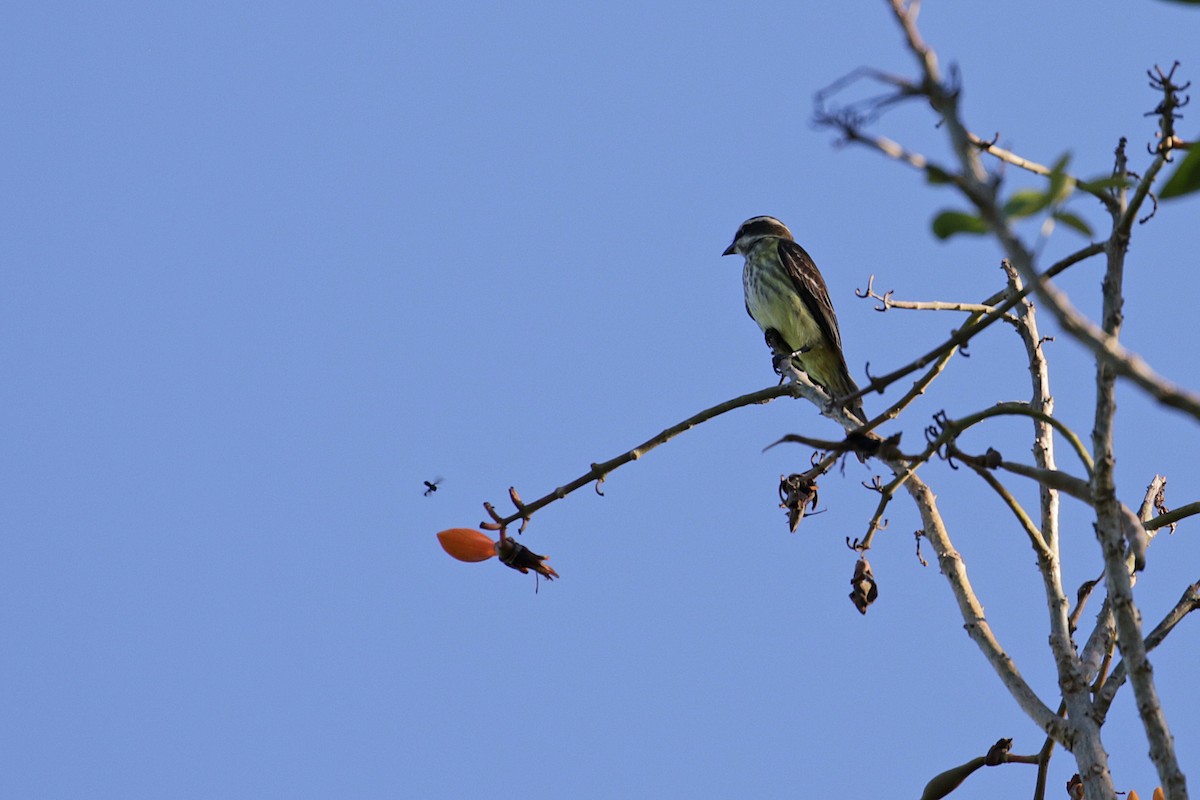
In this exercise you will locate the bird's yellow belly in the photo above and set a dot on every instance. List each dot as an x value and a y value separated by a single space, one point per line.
774 307
790 317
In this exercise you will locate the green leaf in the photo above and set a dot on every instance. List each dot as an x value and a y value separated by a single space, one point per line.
1185 179
1061 184
1073 221
1106 182
936 175
1025 202
949 223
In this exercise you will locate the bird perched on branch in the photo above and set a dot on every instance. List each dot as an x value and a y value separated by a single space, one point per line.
786 296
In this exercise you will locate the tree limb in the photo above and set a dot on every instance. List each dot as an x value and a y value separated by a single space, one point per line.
600 471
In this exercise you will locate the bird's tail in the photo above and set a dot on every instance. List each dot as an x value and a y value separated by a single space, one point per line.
854 407
842 386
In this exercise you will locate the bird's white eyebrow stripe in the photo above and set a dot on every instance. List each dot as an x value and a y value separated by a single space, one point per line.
763 226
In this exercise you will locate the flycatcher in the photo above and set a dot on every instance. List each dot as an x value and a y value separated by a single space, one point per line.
786 296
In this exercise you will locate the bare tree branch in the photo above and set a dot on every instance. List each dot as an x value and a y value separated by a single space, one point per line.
1111 526
982 191
600 471
1009 157
1031 530
1189 602
976 623
886 301
975 183
970 329
1173 516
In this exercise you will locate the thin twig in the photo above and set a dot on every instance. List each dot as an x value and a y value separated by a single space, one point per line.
975 622
1010 157
1189 602
1052 479
600 471
1173 516
1111 526
1032 531
969 330
1022 410
886 301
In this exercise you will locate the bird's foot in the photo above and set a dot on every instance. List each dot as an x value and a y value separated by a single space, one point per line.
779 360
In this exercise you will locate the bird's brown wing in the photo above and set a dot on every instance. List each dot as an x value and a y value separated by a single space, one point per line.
809 284
811 287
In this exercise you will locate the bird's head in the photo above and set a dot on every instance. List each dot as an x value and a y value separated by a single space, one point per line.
754 229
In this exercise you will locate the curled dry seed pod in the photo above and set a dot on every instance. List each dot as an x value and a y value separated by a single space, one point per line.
998 754
870 443
796 495
522 559
992 458
865 591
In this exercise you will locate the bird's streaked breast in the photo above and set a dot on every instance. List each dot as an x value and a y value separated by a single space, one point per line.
772 299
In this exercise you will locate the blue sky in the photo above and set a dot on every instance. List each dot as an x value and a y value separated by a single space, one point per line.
268 267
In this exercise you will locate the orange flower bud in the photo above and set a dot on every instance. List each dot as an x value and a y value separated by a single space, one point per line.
467 544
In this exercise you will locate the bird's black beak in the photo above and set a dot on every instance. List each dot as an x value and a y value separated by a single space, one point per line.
731 249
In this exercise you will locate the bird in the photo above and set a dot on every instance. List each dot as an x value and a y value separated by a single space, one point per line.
787 297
